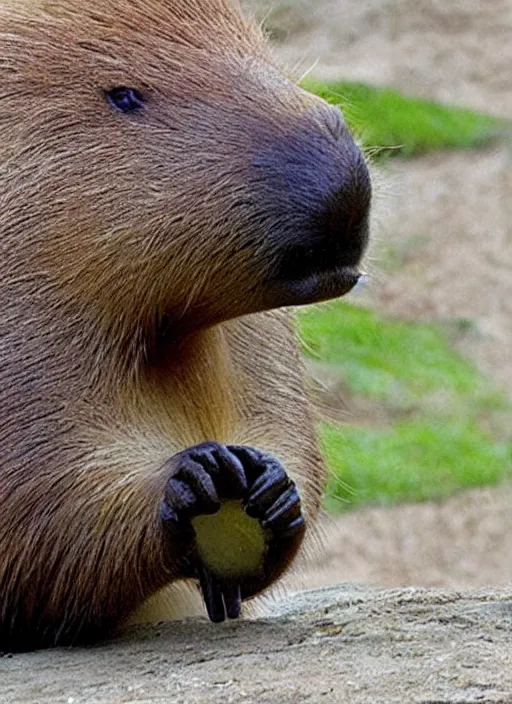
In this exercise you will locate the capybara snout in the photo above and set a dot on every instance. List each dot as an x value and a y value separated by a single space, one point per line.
315 193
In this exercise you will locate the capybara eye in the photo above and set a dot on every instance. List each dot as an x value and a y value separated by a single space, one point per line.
125 99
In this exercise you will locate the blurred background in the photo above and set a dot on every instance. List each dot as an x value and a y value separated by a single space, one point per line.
412 373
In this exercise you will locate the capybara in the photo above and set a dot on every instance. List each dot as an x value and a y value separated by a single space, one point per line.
167 195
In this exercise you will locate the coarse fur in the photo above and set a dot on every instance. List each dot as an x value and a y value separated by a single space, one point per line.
134 291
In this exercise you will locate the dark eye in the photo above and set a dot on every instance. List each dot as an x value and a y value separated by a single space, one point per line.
125 99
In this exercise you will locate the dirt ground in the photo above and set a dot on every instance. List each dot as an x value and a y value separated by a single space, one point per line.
459 543
458 51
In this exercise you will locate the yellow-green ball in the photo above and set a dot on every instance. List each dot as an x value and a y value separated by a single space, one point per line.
230 543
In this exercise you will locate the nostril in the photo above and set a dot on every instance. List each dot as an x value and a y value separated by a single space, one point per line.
343 223
316 196
335 122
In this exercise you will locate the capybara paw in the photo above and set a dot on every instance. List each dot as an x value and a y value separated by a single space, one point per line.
255 532
272 496
205 473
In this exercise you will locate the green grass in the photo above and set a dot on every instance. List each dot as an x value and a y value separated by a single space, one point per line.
413 461
383 118
386 359
441 435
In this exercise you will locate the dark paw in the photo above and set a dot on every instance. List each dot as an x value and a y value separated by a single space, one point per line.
272 496
206 473
209 474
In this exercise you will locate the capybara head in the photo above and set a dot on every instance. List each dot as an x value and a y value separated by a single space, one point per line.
157 164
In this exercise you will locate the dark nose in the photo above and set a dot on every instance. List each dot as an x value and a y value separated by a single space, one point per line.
317 197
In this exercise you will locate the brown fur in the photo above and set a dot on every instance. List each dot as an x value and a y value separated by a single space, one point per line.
127 263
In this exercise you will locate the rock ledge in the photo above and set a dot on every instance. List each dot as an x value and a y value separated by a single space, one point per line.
342 644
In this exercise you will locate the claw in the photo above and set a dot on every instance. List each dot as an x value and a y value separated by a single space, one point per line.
294 528
253 460
222 599
201 484
266 486
265 492
233 600
285 509
233 477
209 474
211 594
167 513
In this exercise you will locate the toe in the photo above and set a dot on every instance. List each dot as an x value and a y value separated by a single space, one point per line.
212 594
283 511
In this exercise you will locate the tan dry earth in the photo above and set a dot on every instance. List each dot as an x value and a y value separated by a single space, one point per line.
462 542
457 51
447 219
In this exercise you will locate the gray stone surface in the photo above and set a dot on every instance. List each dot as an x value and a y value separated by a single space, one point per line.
333 645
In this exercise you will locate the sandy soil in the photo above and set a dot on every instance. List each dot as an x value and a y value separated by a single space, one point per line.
458 51
459 543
